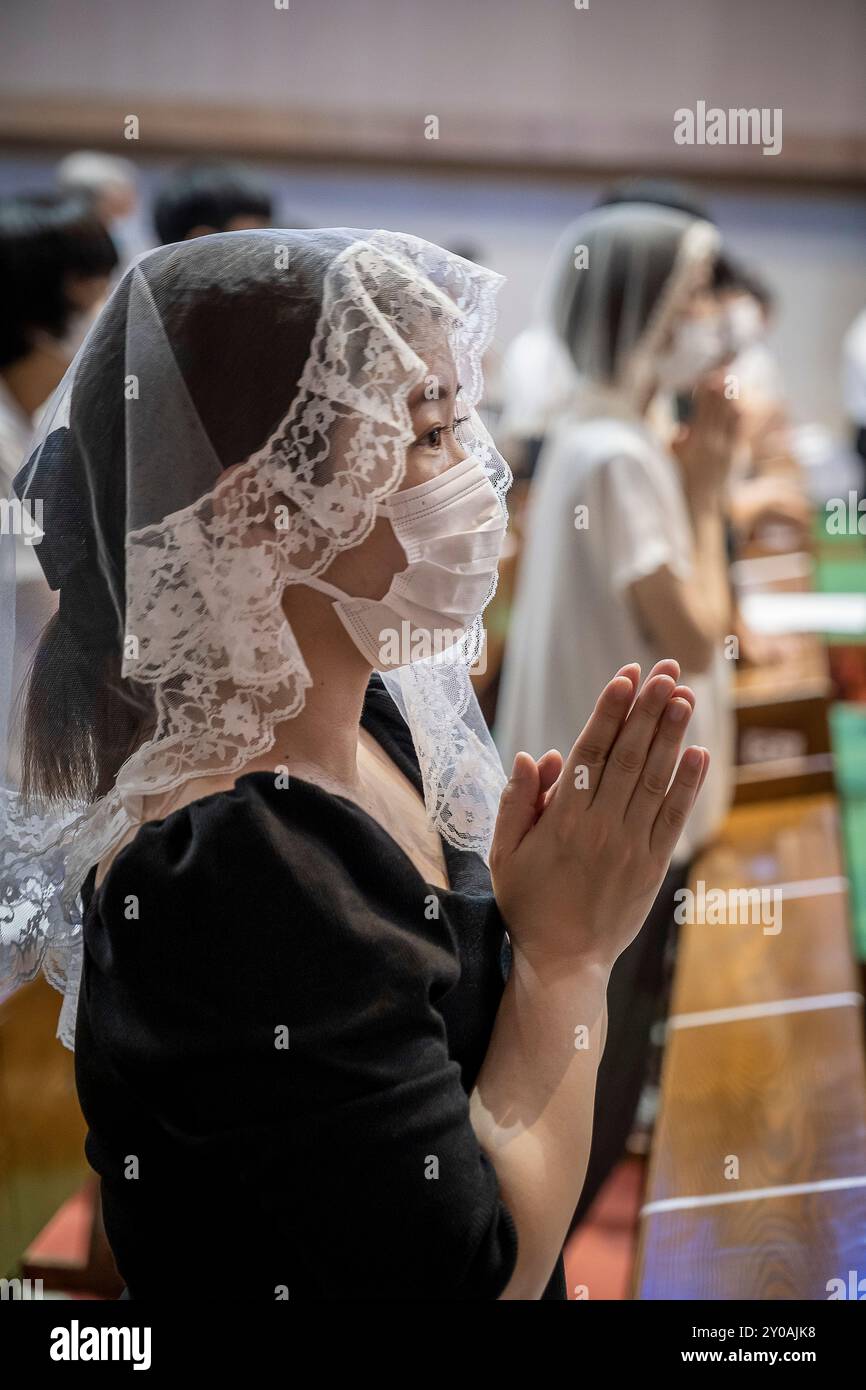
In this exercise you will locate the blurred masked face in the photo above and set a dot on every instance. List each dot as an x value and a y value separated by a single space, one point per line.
744 318
698 342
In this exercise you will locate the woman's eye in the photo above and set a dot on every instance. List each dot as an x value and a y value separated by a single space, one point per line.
433 438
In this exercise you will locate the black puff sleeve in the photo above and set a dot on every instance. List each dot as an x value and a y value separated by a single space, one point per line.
270 1026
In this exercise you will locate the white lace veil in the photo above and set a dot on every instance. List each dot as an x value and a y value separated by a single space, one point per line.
617 278
290 354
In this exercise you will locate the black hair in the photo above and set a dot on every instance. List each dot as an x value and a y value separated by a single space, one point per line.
44 239
662 193
209 194
731 274
226 313
728 272
82 716
589 319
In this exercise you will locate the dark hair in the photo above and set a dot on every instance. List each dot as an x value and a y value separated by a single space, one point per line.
662 193
733 275
590 316
226 325
44 239
209 194
728 273
83 720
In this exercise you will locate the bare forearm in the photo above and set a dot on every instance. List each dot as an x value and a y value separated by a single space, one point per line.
574 882
532 1105
690 617
711 584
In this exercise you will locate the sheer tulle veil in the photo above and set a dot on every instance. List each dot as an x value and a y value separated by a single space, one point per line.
227 428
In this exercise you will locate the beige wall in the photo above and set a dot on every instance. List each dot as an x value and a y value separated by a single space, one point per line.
534 76
596 87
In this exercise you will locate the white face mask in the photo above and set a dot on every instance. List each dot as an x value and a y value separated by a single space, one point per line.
451 529
745 322
698 346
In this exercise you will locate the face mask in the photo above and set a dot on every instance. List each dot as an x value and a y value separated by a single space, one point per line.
451 529
745 323
698 346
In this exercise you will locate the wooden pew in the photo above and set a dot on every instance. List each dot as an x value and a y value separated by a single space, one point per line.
783 736
763 1075
41 1126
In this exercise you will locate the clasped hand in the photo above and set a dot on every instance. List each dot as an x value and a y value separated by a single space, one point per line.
581 846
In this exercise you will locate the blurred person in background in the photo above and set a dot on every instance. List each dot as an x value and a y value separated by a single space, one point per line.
854 387
625 552
536 375
662 193
55 262
767 487
111 184
211 196
766 501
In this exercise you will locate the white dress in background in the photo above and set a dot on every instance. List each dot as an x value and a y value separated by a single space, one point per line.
574 624
854 371
537 379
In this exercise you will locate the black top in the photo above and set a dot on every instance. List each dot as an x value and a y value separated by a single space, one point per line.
276 1039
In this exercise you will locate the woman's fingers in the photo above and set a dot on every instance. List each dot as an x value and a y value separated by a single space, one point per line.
550 766
517 813
666 667
684 692
704 771
625 764
676 806
588 756
660 764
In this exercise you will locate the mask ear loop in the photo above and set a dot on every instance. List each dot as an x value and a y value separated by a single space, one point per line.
331 590
340 595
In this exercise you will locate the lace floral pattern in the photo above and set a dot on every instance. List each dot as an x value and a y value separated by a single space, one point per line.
205 627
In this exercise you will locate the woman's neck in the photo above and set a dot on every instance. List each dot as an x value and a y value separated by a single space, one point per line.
323 737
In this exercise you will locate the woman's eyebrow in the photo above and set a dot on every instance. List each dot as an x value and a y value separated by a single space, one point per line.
443 393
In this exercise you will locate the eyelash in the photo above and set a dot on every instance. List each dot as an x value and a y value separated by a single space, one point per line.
442 429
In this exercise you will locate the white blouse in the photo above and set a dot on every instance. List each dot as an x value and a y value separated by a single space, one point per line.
607 508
